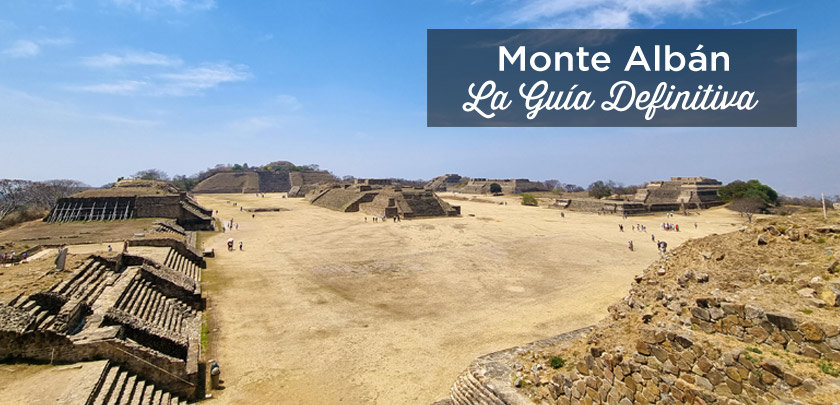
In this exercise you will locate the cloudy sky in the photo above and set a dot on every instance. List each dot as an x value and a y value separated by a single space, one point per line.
97 89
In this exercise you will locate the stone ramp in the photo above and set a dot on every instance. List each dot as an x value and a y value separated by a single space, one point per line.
119 386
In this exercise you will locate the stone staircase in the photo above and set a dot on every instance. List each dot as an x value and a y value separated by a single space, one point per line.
144 301
87 284
180 263
40 316
119 386
468 390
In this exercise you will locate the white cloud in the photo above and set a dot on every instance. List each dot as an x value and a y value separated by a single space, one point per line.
22 49
758 16
124 87
25 48
107 60
151 6
184 82
288 102
599 13
194 80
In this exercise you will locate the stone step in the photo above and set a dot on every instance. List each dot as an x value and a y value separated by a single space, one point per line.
154 297
28 305
147 292
482 390
137 395
156 396
58 288
105 389
128 391
124 300
119 385
136 294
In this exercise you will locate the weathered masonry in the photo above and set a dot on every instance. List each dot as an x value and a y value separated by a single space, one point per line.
133 199
141 316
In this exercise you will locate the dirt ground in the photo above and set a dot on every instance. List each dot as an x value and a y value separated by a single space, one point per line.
324 307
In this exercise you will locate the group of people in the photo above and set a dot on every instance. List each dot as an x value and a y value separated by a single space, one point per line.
230 245
669 227
384 218
10 257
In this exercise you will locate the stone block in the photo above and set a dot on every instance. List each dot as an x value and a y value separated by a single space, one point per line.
781 321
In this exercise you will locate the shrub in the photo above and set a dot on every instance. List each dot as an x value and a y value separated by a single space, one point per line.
556 362
828 368
529 199
495 188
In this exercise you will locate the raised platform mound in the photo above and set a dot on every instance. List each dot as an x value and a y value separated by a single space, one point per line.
387 201
130 199
296 183
746 317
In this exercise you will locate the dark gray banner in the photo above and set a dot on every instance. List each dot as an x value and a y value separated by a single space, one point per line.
611 78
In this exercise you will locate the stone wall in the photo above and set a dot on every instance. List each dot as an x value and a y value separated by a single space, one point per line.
752 324
603 206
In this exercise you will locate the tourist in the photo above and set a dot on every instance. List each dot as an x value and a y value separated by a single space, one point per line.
110 249
677 227
253 216
215 374
240 245
620 227
562 214
630 245
125 246
237 226
652 238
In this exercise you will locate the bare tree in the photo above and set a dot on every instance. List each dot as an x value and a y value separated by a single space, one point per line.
152 174
22 194
748 206
551 184
11 195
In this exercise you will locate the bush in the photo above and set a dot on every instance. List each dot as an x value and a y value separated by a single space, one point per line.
529 199
556 362
495 188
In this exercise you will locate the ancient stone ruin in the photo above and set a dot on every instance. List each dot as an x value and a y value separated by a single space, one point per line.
671 195
381 200
141 316
677 194
296 183
736 318
447 182
133 199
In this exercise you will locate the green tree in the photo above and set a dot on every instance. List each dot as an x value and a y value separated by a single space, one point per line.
599 189
748 189
495 188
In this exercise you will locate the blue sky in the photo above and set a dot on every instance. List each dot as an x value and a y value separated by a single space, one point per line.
98 89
